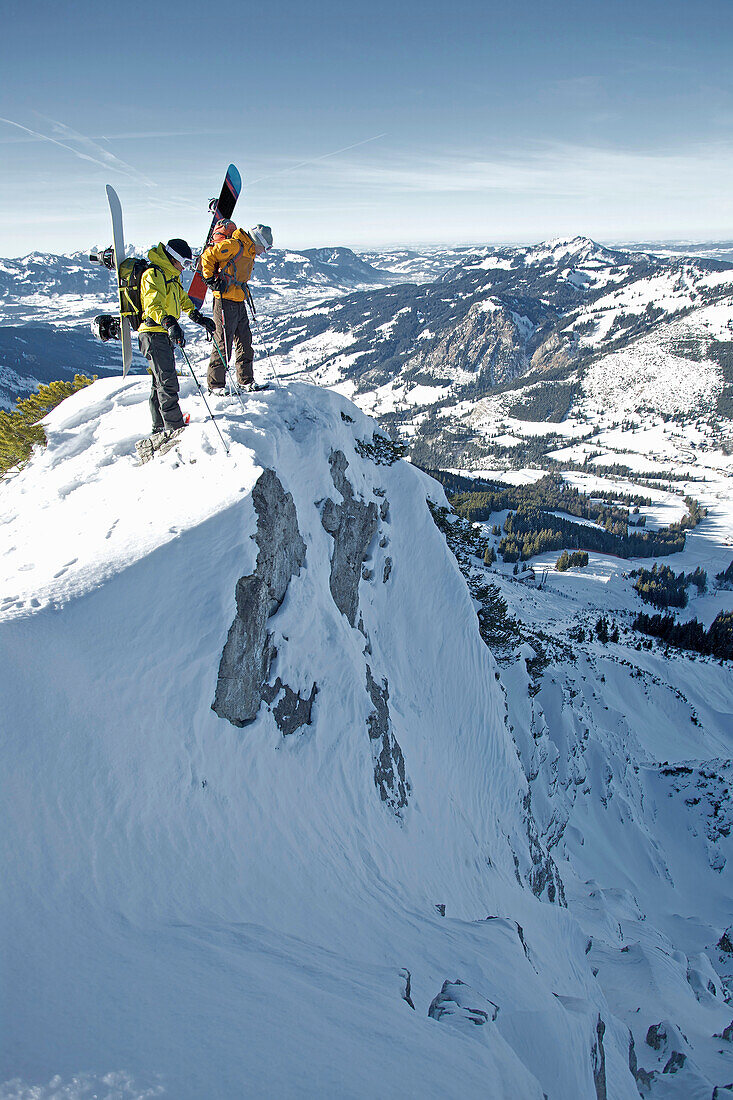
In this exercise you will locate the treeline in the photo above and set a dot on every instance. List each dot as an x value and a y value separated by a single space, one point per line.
566 561
715 642
662 587
476 501
531 531
725 578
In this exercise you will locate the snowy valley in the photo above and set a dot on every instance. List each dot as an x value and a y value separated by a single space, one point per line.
311 790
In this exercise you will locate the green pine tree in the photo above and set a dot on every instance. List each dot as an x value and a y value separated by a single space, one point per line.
20 429
562 562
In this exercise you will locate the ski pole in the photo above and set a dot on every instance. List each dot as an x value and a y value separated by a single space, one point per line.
259 331
227 349
201 395
229 374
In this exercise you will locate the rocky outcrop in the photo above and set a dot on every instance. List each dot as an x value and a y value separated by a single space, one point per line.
248 652
407 987
487 341
352 525
458 1003
598 1061
292 710
656 1037
556 351
544 876
389 764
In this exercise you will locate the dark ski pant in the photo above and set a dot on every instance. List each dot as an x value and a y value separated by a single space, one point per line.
164 407
231 331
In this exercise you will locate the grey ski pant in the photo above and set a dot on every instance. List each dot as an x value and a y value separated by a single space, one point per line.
164 407
232 330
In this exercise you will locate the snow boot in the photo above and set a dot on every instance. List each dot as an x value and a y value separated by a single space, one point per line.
159 442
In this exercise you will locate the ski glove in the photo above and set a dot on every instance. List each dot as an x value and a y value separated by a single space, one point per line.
175 332
218 283
206 322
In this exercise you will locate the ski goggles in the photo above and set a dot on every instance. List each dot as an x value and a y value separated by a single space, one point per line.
182 260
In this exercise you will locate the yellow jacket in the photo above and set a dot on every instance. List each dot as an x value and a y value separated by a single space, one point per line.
234 259
161 292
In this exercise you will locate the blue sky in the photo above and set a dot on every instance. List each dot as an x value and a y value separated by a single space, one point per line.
368 124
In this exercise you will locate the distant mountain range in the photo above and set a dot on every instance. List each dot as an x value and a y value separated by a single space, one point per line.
525 323
411 334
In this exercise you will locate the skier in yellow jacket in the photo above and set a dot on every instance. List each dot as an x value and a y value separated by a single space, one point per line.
162 298
227 267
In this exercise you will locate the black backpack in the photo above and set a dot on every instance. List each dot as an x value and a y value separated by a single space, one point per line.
130 273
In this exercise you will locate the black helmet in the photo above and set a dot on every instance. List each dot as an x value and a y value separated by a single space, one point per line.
179 250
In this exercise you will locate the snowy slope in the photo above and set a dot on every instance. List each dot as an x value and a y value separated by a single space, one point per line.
365 906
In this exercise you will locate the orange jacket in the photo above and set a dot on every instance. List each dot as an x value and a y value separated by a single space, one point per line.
234 258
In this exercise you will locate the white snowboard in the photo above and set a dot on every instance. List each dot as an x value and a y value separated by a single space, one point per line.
119 247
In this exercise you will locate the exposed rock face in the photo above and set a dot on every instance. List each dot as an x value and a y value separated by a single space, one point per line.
461 1004
292 710
675 1062
389 763
544 877
248 652
487 341
407 991
556 351
353 525
598 1061
656 1037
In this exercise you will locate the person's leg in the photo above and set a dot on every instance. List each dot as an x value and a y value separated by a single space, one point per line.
153 403
163 364
216 375
243 352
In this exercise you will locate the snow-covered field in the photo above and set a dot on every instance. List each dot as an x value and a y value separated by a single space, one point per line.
192 909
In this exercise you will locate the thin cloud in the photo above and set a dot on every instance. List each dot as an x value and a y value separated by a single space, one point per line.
315 160
550 170
144 134
141 135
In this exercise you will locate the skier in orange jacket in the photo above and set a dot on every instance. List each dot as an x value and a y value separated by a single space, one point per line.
227 267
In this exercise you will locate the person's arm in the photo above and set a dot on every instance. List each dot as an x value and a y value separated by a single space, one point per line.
209 262
187 305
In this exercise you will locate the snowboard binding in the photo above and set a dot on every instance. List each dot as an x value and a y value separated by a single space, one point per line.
106 327
106 258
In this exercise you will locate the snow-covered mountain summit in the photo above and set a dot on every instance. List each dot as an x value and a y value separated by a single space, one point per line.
272 829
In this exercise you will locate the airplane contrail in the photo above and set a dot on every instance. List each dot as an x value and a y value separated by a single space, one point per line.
110 159
313 160
119 166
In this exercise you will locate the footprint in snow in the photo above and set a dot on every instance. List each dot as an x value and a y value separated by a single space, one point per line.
64 567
